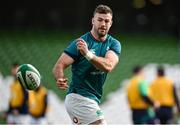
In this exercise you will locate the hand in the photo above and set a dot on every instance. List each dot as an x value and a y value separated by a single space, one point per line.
82 46
62 83
156 105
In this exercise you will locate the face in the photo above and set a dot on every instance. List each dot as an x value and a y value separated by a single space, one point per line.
101 24
14 70
141 73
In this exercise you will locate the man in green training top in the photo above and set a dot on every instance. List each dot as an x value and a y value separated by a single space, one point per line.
92 56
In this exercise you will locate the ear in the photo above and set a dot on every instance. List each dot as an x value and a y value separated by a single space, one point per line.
92 21
111 22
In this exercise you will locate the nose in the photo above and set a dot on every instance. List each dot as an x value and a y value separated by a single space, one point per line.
103 23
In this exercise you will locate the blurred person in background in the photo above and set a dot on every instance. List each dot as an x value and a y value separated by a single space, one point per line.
2 114
163 90
38 102
18 103
92 56
139 100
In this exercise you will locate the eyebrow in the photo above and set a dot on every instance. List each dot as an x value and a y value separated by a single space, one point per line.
102 18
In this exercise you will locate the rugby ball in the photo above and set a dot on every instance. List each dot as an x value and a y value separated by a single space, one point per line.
28 76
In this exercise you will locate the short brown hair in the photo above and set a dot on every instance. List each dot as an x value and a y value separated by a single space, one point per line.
103 9
160 71
137 69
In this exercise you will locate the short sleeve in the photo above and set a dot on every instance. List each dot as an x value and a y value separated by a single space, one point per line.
116 46
72 51
144 88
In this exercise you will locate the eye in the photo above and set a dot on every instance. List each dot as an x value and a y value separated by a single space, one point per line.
107 21
100 20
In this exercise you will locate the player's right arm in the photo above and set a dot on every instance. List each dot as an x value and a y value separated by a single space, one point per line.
105 64
63 62
176 98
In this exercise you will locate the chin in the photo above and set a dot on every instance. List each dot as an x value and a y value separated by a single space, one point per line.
102 34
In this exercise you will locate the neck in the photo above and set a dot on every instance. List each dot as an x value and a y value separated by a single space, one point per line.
97 37
141 76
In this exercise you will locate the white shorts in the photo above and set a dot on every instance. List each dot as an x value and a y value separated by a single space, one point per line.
18 119
38 121
82 110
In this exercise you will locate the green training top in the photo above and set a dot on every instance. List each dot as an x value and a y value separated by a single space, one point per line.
86 79
143 87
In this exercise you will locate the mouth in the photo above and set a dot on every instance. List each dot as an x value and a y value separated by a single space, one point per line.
102 29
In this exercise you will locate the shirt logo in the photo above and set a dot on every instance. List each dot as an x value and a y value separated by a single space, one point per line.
75 120
99 113
107 48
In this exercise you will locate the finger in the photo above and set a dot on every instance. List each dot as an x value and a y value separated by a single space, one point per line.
61 80
66 86
66 79
79 47
80 44
63 87
61 83
80 41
